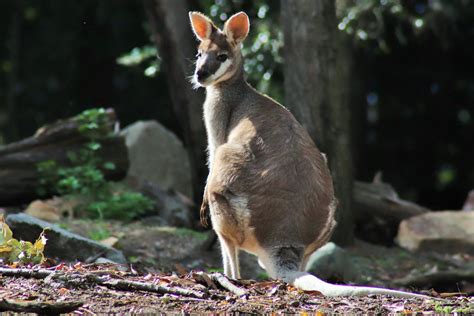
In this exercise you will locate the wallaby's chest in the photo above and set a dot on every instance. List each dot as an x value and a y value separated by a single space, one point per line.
217 117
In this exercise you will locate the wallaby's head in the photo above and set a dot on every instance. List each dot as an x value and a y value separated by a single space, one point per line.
219 57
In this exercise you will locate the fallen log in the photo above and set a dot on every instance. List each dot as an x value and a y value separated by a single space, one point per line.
380 199
39 307
380 210
18 161
431 278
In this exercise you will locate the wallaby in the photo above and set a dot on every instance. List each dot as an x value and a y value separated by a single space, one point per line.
269 189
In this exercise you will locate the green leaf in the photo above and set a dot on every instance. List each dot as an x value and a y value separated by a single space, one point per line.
5 232
109 166
94 146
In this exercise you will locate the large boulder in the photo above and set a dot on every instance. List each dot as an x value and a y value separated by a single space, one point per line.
158 156
445 232
173 208
61 244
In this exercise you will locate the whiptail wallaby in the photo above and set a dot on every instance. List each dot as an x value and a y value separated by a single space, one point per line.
269 189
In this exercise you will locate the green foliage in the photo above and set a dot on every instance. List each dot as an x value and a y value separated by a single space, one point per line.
387 23
93 124
262 49
13 251
84 178
146 55
119 205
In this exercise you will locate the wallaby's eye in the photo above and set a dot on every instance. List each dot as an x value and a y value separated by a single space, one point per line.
222 57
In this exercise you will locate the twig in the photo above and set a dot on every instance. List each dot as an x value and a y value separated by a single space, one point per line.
78 279
148 287
47 307
227 284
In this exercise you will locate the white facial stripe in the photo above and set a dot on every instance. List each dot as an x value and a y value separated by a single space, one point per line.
221 70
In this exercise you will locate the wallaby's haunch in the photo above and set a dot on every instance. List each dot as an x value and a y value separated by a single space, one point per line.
269 189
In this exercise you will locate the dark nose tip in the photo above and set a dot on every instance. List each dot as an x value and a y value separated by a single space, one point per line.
202 74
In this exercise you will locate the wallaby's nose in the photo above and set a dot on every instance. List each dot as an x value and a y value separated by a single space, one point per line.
202 74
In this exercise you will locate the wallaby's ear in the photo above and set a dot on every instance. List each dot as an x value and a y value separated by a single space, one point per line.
237 27
201 24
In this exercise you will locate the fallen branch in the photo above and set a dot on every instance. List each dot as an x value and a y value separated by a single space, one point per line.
223 281
76 278
26 273
148 287
430 278
46 307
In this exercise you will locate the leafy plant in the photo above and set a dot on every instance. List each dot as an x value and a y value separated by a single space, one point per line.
119 205
142 55
100 234
13 251
84 177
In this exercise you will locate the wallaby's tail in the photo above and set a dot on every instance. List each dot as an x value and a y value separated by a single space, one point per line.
308 282
283 264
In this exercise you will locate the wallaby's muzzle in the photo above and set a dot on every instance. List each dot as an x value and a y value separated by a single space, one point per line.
202 74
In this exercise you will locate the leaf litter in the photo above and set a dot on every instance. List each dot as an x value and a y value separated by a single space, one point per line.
110 288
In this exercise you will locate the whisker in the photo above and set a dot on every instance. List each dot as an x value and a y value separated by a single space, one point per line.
194 83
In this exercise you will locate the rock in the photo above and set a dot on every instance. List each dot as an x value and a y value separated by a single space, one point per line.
174 209
331 262
158 156
110 241
444 232
61 244
469 203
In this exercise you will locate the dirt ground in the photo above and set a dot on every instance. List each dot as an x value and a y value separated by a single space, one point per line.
167 256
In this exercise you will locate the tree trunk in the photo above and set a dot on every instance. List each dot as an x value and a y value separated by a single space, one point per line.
173 38
18 161
316 72
11 129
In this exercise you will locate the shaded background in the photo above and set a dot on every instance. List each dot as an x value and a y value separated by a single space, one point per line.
412 111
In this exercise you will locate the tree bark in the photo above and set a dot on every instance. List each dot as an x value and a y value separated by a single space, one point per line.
18 161
13 45
173 38
317 69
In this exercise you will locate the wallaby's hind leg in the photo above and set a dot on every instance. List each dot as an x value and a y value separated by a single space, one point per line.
282 262
230 257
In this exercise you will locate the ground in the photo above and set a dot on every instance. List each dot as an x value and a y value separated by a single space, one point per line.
169 258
